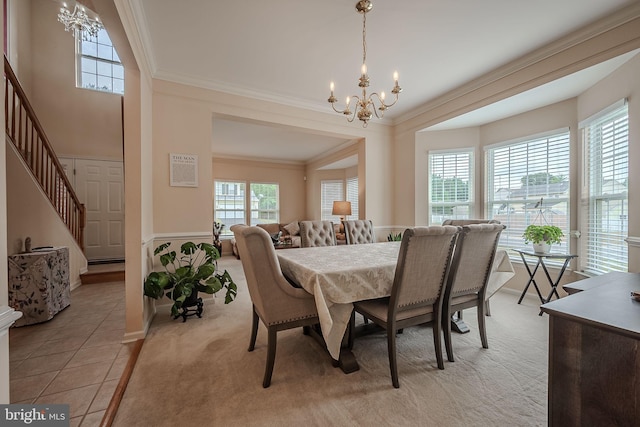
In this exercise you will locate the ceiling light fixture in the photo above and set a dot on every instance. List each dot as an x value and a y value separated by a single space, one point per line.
79 22
365 107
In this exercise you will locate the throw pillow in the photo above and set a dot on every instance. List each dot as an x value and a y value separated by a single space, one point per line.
293 228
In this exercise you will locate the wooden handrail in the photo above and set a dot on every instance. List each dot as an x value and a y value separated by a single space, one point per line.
26 133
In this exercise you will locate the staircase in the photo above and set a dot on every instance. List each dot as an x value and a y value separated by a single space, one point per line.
103 273
27 135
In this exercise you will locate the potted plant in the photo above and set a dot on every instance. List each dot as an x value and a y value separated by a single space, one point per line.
542 237
394 237
217 231
194 271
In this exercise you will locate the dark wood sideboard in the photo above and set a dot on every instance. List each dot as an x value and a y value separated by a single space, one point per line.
594 353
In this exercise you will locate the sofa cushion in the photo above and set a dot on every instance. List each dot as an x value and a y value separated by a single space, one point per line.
293 228
270 228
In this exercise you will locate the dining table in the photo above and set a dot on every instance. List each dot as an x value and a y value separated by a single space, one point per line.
338 276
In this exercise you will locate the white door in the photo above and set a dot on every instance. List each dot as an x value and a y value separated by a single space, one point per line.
100 186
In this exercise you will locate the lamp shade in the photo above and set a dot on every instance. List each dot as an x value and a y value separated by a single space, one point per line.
341 208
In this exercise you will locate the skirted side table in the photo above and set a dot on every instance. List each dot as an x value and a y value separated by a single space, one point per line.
39 284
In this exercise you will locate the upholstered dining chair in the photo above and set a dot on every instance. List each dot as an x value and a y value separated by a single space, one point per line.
418 289
462 223
317 233
359 231
467 282
276 303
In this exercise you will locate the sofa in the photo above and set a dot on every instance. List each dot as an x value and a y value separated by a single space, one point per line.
284 232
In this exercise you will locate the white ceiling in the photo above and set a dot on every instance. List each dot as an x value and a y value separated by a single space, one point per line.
288 51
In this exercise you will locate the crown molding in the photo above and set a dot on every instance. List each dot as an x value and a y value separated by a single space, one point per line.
136 20
536 57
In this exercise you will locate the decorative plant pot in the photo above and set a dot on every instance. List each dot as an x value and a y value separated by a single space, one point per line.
191 301
541 248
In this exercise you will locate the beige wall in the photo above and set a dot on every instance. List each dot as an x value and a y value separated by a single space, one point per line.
36 218
290 177
182 124
19 18
78 122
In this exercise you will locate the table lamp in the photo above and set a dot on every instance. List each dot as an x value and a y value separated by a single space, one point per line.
341 209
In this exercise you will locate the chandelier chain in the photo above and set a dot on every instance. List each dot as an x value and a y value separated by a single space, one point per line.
364 38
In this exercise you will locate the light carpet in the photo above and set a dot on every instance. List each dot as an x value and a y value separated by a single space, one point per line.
200 373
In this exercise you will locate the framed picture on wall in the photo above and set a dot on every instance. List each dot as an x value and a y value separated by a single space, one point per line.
183 170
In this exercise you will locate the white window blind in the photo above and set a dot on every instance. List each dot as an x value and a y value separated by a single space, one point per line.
352 196
265 203
605 195
331 190
450 185
528 183
229 204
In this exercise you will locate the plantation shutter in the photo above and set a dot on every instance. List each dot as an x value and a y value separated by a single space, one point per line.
528 183
331 190
605 195
450 186
352 196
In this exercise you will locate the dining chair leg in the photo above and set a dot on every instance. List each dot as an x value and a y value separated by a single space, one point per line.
437 337
447 333
482 326
487 308
271 355
254 330
393 363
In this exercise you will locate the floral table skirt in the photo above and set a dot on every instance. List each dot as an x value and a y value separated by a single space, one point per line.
39 284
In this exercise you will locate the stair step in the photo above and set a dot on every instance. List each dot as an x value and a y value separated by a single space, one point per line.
102 277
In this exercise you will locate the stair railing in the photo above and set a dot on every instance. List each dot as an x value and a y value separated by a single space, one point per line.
27 135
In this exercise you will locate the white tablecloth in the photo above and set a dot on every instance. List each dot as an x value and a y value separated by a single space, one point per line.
337 276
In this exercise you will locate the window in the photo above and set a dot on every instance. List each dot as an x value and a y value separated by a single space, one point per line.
331 190
605 196
451 185
352 196
229 204
98 64
265 203
528 183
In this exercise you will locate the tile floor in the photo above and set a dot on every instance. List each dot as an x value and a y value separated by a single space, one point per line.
76 358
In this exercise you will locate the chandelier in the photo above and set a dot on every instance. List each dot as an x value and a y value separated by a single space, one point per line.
365 106
79 22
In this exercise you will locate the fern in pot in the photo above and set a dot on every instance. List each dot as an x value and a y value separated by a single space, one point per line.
196 270
542 237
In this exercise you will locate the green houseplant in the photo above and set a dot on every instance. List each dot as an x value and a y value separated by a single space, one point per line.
194 271
394 237
542 236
